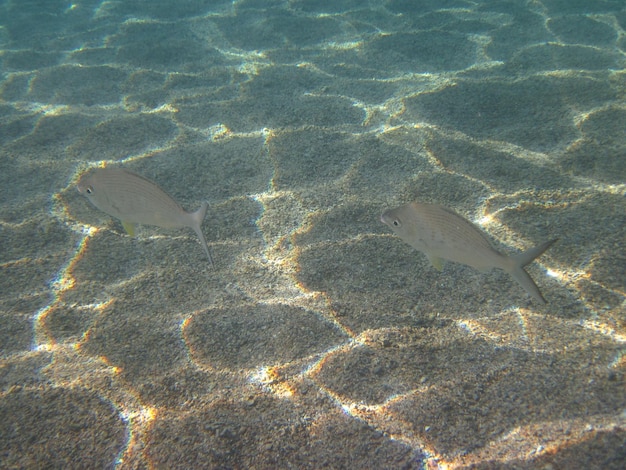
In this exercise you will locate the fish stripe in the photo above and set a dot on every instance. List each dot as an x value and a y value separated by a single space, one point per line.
136 200
441 233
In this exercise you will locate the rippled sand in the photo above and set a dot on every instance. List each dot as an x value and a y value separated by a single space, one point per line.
319 339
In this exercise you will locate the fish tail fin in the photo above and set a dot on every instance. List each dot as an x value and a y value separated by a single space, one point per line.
198 217
521 276
526 257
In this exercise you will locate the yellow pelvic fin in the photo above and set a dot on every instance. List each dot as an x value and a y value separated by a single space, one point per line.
437 262
129 227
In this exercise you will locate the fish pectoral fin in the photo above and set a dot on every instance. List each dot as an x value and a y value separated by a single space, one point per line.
129 227
436 261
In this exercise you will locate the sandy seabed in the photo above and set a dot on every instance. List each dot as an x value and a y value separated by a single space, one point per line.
319 339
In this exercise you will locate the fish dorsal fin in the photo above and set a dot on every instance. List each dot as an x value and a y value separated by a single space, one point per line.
436 261
129 227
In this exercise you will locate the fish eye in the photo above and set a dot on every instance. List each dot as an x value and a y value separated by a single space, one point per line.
89 190
396 222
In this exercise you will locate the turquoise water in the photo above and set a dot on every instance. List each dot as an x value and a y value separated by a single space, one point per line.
319 339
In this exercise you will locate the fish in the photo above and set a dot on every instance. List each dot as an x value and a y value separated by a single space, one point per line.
442 234
133 200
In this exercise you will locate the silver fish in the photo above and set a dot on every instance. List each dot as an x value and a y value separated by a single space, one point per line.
442 234
136 200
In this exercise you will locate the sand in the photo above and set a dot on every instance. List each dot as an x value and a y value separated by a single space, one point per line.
319 340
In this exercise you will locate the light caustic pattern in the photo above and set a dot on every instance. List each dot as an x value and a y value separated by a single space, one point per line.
318 333
375 344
